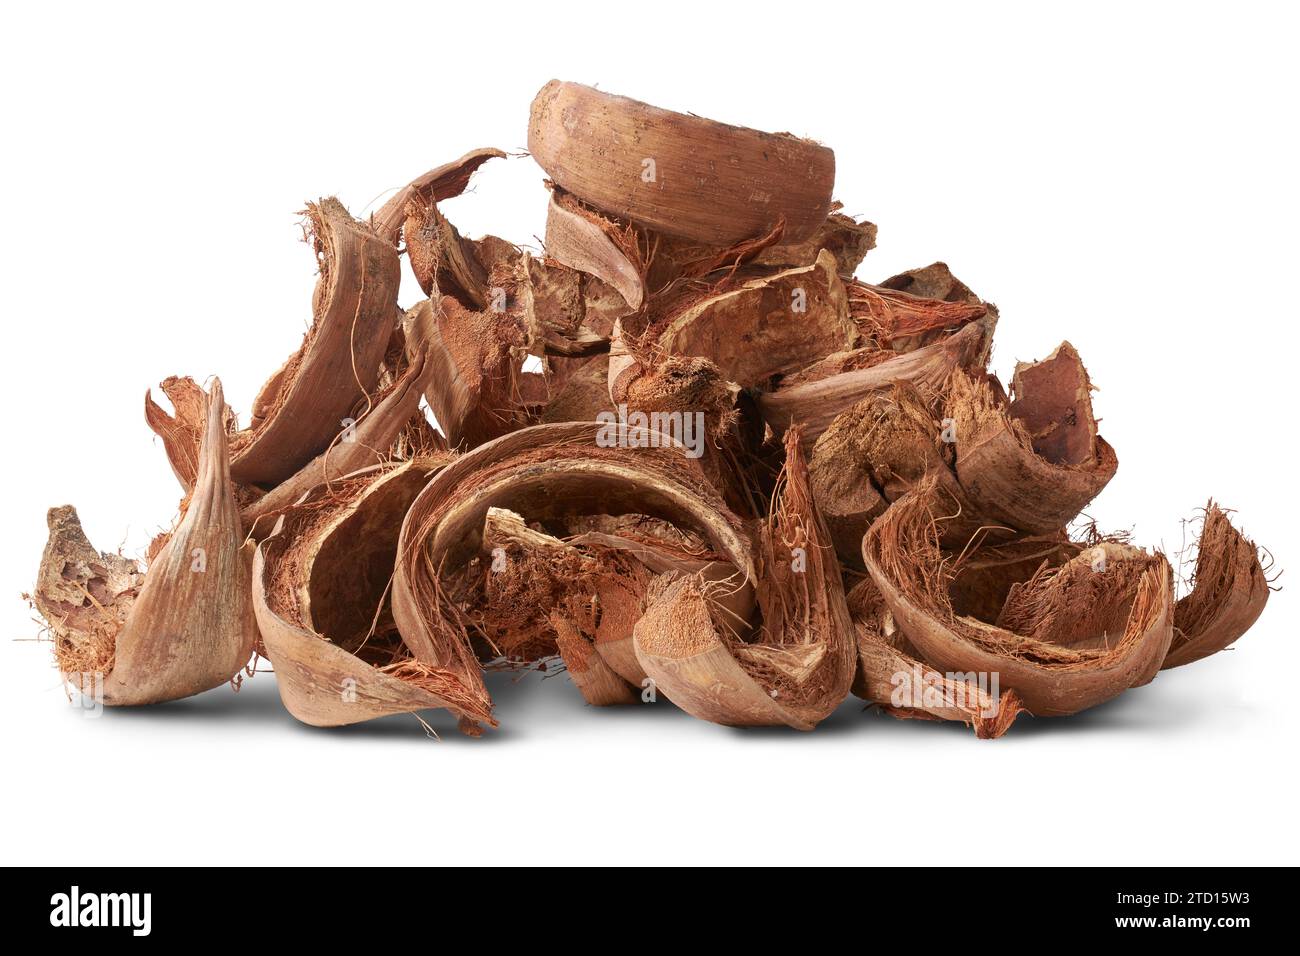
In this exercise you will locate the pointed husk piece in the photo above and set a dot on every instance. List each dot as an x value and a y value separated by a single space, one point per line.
542 472
680 174
800 665
1035 463
319 587
814 402
442 182
891 675
188 627
302 408
1228 595
1068 638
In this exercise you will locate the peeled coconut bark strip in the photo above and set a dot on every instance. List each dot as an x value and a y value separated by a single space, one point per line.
814 404
319 586
1069 638
441 182
188 626
800 666
1036 462
891 675
769 325
580 240
546 471
301 409
1228 595
680 174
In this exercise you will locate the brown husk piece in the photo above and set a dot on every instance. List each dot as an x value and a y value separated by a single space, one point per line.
319 589
543 472
1228 595
475 367
813 402
1068 638
1036 462
579 135
184 628
756 330
800 664
301 409
439 183
583 240
891 675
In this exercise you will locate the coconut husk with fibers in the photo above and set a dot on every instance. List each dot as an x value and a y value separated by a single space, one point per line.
579 135
300 410
1230 589
813 402
580 238
1036 462
544 472
320 585
1069 638
441 182
800 663
186 626
891 675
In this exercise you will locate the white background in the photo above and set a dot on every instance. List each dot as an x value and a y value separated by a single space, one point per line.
1122 176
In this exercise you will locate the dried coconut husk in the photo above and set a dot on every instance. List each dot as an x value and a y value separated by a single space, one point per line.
319 591
549 298
1032 464
184 628
443 261
439 183
584 396
1068 638
934 281
904 322
813 399
891 675
844 237
182 431
581 239
475 368
543 472
300 410
1228 595
753 332
801 663
370 442
715 183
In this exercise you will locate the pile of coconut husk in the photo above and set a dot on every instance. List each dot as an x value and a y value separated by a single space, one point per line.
682 451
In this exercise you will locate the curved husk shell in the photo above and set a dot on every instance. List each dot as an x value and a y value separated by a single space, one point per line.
441 182
712 182
546 471
318 588
1069 638
302 408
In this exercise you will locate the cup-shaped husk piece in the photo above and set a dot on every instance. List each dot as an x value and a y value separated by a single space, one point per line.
1036 462
319 589
1068 638
543 472
813 400
439 183
369 442
891 675
1229 591
680 174
799 665
303 407
766 326
474 385
188 626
